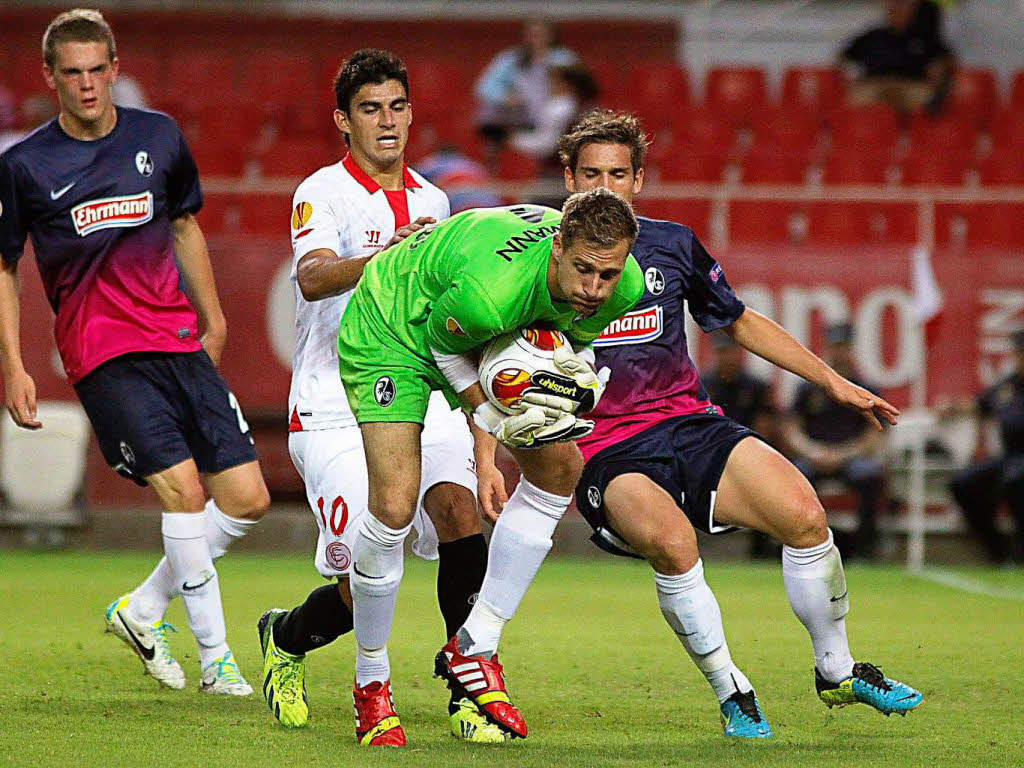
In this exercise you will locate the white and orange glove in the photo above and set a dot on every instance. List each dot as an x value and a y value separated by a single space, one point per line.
533 427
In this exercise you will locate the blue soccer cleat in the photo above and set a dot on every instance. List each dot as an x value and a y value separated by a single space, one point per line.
742 717
868 686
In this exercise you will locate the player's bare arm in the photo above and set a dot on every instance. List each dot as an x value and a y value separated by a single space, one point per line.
769 340
19 388
197 273
491 490
323 274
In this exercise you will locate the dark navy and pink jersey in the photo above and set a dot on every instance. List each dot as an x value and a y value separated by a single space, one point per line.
99 215
653 377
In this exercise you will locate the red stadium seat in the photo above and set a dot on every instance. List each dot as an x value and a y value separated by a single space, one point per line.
996 225
812 91
765 221
266 215
993 225
146 68
611 81
1007 129
850 222
871 127
658 92
736 92
279 77
783 131
199 76
939 136
767 166
683 165
26 75
929 166
856 167
229 123
708 133
299 157
696 214
516 166
220 213
432 86
1017 90
973 95
219 159
1005 165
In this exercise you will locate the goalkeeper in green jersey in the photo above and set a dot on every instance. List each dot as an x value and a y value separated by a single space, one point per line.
420 311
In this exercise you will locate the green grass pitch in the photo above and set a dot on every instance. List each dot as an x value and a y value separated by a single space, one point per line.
598 674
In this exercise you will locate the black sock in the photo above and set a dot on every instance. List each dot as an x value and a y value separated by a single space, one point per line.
460 573
320 620
459 576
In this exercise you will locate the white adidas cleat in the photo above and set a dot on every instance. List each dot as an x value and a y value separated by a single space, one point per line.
148 642
223 676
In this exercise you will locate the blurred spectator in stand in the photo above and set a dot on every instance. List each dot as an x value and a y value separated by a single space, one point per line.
513 90
127 92
745 398
464 180
904 64
828 441
36 109
573 91
980 488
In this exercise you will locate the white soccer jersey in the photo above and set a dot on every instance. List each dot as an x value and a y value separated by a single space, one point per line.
344 210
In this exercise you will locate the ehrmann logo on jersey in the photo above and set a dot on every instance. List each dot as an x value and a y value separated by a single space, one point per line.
107 212
636 327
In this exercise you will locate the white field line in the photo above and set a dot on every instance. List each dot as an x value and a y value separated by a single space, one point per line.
965 584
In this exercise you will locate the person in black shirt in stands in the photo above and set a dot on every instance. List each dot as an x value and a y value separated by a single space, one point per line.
745 398
905 63
979 488
827 443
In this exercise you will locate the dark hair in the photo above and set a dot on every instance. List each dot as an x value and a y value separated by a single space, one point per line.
599 217
602 126
368 65
79 25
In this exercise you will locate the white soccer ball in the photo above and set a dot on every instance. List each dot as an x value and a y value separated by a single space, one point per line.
510 364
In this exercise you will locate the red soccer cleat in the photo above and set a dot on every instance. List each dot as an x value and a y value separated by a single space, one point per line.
377 723
483 682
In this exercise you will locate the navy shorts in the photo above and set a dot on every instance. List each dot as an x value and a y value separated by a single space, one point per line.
152 410
684 455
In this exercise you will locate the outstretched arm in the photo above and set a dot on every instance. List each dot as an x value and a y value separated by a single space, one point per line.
19 387
196 271
769 340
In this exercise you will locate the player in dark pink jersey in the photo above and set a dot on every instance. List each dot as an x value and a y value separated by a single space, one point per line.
663 461
108 197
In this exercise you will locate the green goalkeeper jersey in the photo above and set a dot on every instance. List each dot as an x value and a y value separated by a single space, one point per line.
474 276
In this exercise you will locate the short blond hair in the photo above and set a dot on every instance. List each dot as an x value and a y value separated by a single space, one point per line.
598 217
79 25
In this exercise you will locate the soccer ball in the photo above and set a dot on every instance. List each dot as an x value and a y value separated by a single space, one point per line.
518 361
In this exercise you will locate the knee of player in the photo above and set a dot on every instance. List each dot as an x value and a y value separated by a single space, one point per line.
392 508
257 503
452 509
805 523
673 554
191 496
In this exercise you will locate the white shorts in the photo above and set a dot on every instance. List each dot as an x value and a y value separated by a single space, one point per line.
332 464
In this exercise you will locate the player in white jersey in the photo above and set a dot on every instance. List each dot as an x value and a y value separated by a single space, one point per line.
342 216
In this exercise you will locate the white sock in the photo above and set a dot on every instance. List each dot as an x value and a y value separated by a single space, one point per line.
816 588
690 608
189 558
150 599
521 540
377 566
